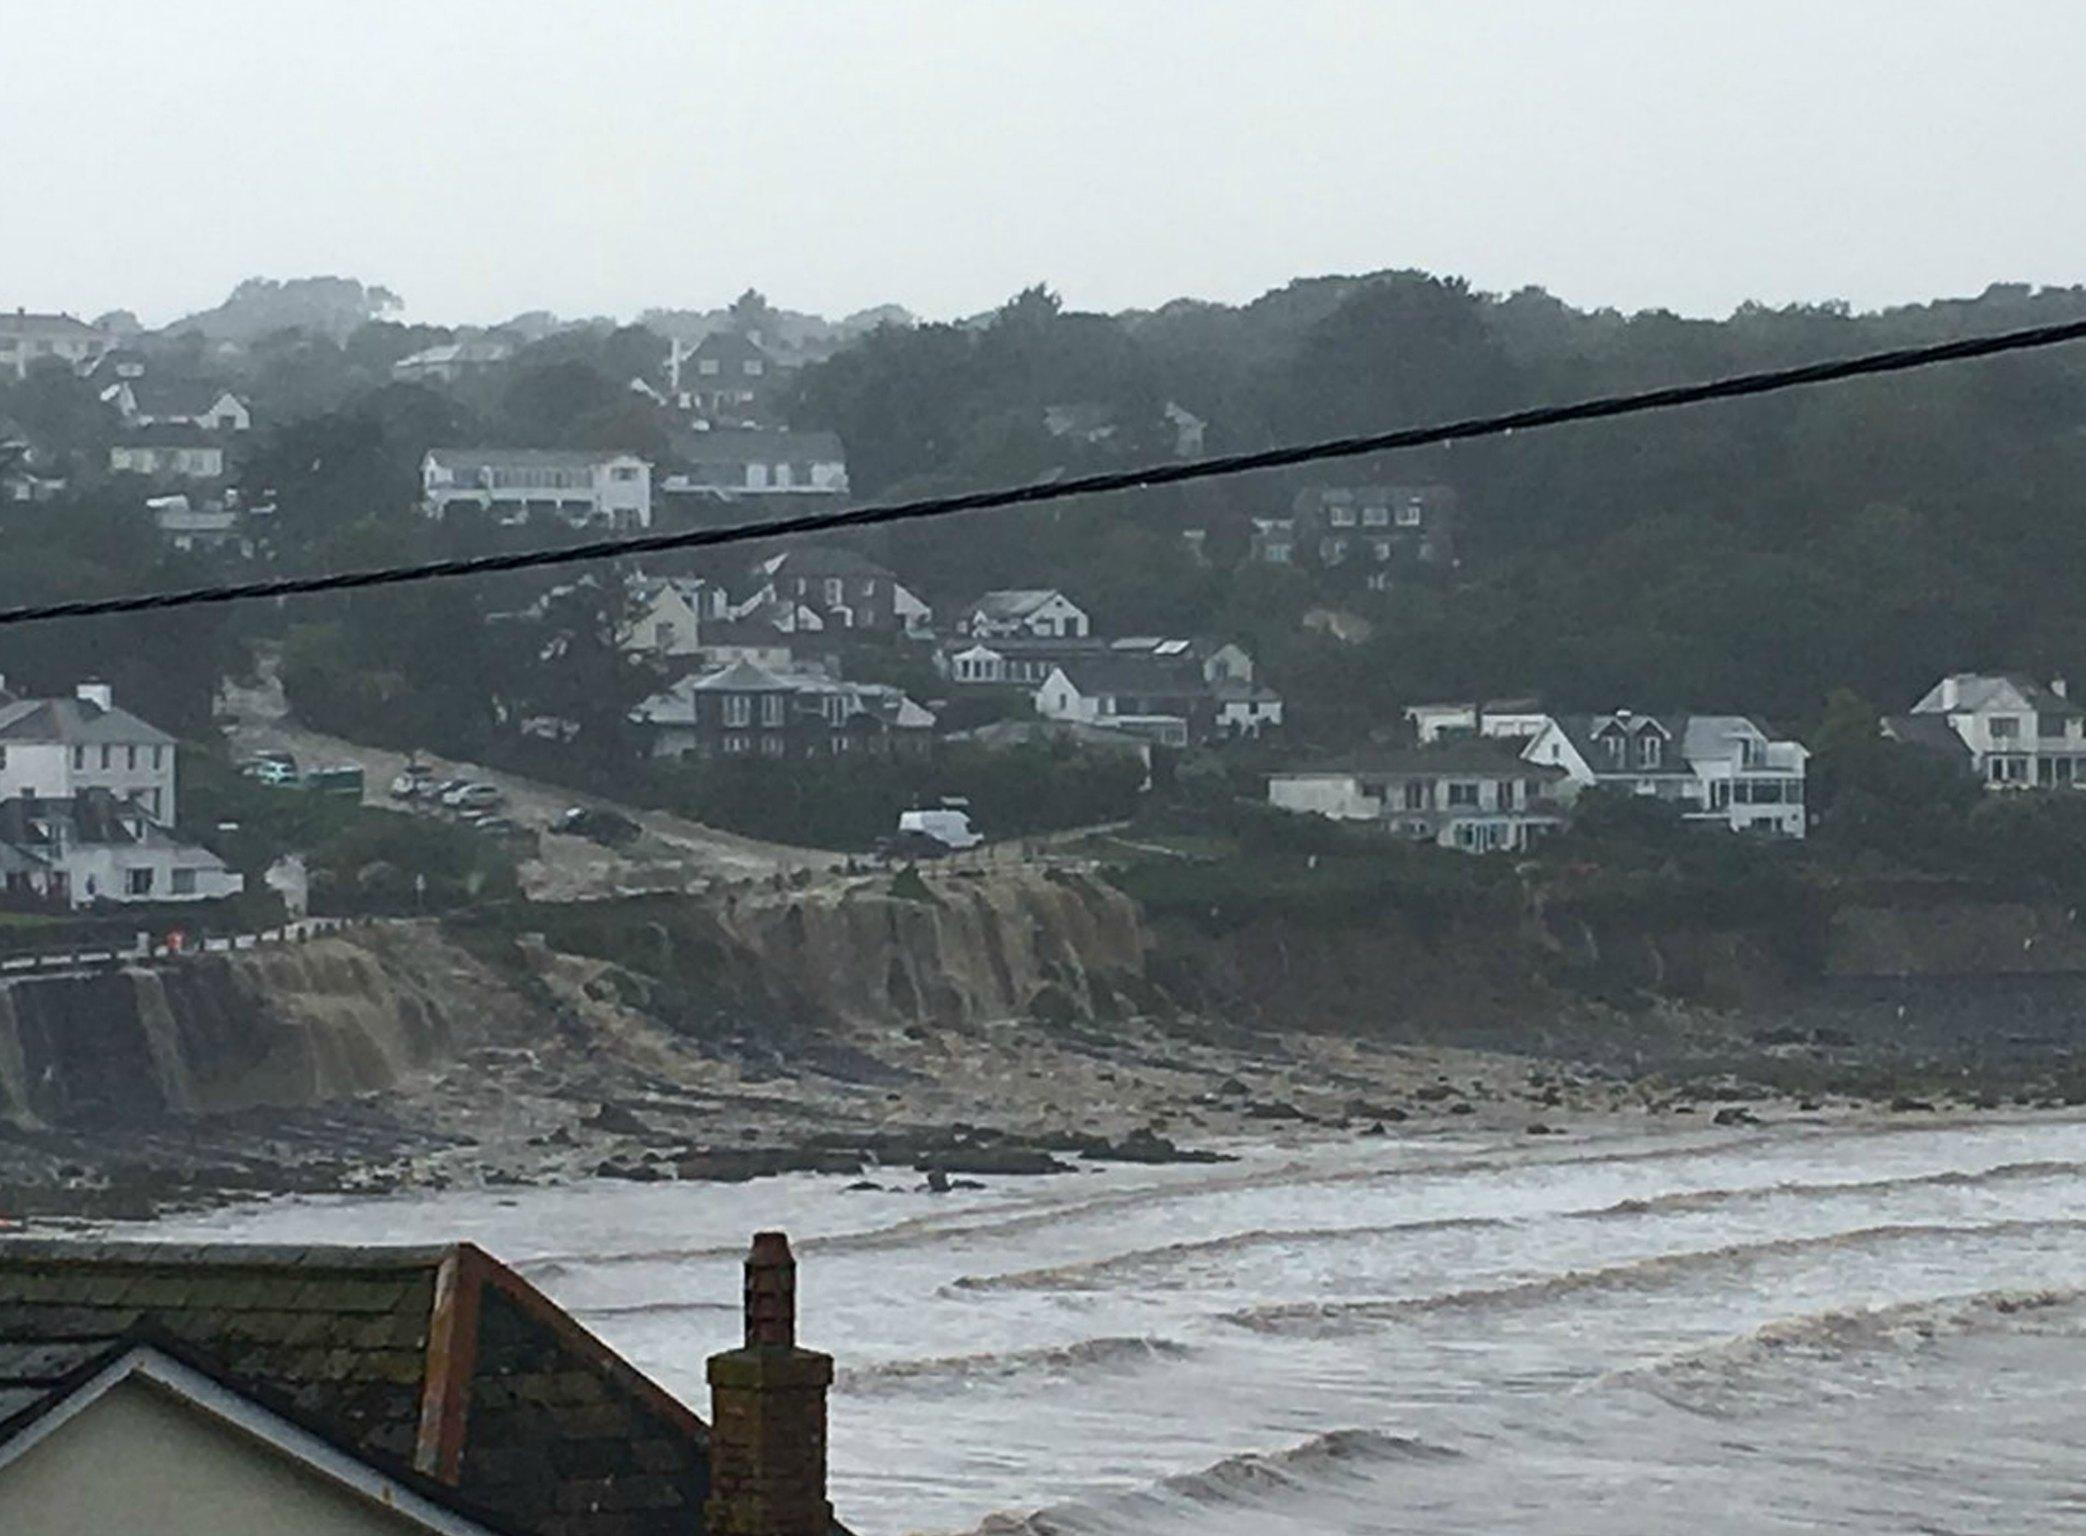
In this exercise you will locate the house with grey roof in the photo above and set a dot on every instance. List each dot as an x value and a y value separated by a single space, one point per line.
168 450
87 805
451 361
2016 733
581 487
1475 796
236 1390
1722 770
1041 613
844 589
748 710
27 339
150 400
730 462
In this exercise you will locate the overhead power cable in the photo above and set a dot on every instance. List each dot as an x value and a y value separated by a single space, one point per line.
886 514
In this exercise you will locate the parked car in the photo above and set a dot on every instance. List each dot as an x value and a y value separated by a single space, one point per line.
271 770
474 797
413 780
603 826
499 826
440 791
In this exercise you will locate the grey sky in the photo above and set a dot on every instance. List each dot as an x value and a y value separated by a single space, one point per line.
488 158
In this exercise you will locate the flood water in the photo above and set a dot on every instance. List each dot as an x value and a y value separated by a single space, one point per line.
1874 1328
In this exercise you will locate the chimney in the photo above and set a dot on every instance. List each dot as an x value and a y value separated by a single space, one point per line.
2060 687
768 1413
1949 692
97 693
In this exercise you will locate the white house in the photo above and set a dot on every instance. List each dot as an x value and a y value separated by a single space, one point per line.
450 361
578 486
1721 769
169 450
2019 734
27 339
54 749
1041 613
1498 719
669 614
753 461
1474 796
137 1438
86 801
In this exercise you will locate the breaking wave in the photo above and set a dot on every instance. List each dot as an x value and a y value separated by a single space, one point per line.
1256 1478
1088 1357
1326 1319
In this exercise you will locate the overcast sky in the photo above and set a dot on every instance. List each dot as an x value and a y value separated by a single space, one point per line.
598 158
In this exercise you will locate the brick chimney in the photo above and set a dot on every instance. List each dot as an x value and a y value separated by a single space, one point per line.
768 1413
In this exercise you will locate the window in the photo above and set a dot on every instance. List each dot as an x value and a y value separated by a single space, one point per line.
1409 515
753 367
773 707
3 756
184 882
79 757
1375 517
738 709
2005 728
626 472
1343 517
1463 794
836 592
131 758
663 635
1647 751
1416 794
868 586
1381 548
1614 744
835 706
2050 727
1277 554
706 365
137 882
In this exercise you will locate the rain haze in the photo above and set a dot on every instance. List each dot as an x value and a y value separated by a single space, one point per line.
486 159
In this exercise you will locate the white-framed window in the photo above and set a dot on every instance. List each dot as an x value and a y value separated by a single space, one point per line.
773 709
738 709
625 472
1462 793
1342 517
184 882
2005 728
1375 517
836 591
706 365
773 746
1648 751
1409 515
835 707
137 882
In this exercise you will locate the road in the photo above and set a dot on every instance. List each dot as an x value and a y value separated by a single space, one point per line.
673 853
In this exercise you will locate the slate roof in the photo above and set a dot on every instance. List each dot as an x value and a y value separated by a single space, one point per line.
1932 733
755 445
166 434
728 347
1580 729
1111 673
438 1359
822 560
75 722
1979 691
24 323
1473 758
457 459
175 397
1014 602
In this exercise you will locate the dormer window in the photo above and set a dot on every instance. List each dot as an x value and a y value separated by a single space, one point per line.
1614 743
1648 751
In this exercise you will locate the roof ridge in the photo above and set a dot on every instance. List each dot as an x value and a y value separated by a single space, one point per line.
68 1250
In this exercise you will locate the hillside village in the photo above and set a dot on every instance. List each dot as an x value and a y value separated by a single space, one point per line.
696 681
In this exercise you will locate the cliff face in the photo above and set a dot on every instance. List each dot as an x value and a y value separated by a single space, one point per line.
976 950
283 1026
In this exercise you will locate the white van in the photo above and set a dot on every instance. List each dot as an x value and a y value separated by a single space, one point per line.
950 828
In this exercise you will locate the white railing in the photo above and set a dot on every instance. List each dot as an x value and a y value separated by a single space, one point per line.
146 948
